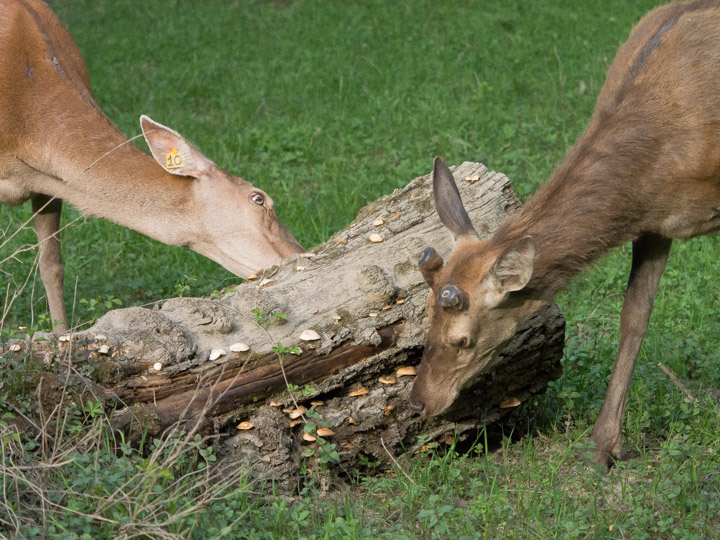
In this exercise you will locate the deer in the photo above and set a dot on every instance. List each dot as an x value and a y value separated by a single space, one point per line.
56 145
646 170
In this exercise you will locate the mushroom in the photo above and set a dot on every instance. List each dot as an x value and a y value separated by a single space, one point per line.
405 371
297 413
309 335
510 402
375 238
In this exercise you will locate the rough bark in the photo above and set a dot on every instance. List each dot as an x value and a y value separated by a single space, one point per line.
366 302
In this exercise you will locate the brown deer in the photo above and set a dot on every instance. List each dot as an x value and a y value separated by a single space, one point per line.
646 170
56 144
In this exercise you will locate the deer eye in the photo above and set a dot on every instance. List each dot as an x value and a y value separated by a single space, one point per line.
257 198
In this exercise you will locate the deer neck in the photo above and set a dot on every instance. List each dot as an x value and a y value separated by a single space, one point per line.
590 205
103 175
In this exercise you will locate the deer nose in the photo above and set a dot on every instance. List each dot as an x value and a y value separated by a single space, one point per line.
460 343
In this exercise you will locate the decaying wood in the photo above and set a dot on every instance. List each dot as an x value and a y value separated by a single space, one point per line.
362 295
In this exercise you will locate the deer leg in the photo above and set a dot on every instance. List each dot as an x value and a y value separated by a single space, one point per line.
47 226
650 253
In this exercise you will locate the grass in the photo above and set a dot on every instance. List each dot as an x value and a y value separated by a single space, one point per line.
327 105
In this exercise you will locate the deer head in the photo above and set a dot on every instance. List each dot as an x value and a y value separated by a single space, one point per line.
239 227
475 305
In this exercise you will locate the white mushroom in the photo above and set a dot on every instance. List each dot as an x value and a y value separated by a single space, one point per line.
217 353
239 347
309 335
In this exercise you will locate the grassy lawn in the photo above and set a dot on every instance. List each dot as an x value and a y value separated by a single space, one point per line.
327 105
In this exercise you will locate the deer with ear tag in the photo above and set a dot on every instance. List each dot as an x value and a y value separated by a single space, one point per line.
57 145
646 171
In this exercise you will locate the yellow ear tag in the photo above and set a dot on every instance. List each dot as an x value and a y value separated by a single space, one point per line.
174 160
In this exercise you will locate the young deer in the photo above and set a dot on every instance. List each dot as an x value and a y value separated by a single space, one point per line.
646 170
56 144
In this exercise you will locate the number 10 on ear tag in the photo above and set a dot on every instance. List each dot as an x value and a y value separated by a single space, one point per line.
173 160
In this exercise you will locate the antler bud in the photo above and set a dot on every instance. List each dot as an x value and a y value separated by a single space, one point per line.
452 297
430 262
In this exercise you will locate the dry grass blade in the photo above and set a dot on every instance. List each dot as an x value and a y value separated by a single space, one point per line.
674 378
152 501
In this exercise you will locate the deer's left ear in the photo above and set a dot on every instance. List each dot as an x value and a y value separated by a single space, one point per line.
172 152
449 204
514 267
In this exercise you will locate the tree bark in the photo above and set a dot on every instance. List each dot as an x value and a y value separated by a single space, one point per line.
364 299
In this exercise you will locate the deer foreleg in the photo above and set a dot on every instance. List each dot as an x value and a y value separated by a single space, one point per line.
46 213
650 253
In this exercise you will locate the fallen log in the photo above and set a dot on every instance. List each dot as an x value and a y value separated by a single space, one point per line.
329 336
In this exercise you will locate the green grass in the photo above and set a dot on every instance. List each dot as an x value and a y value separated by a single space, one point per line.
328 105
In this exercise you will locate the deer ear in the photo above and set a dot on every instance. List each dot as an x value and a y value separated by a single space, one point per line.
172 151
449 204
514 267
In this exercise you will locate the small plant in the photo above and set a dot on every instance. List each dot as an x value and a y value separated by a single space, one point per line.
263 319
283 351
95 305
183 287
327 452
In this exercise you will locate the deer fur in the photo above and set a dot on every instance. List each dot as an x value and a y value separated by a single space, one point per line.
646 171
56 144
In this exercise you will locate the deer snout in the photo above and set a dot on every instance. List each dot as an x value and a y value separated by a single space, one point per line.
462 342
